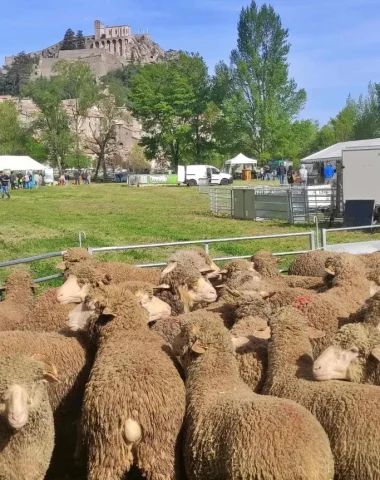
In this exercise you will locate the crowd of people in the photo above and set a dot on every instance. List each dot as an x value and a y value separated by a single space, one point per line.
20 180
83 177
289 175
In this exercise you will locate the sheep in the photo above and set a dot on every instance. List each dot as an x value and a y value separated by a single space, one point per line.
26 418
18 301
355 351
196 257
342 409
232 433
184 288
267 266
81 271
310 264
135 400
73 360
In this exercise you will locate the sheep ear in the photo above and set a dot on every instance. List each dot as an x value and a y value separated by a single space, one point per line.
50 373
108 312
375 353
206 271
198 348
330 270
61 266
313 333
223 272
235 293
34 286
239 341
373 289
163 286
169 268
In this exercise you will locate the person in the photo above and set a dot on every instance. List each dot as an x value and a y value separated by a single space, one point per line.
328 173
281 173
290 175
262 173
77 177
67 178
26 180
19 180
4 180
88 178
13 181
267 173
36 180
303 174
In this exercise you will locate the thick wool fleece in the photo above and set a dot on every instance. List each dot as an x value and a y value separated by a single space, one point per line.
26 453
18 301
132 378
232 433
310 264
194 256
349 413
239 265
69 355
365 337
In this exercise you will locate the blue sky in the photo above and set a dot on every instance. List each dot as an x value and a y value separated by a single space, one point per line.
335 43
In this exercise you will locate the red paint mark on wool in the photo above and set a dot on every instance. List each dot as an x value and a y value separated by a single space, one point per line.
302 301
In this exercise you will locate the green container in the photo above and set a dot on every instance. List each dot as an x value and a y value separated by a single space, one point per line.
162 179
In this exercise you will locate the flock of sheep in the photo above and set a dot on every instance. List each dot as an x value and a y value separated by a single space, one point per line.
193 372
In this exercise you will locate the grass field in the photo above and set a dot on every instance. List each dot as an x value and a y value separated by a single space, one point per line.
49 219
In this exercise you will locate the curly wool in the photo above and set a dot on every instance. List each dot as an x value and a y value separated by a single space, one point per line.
26 453
342 409
230 432
18 301
194 256
310 264
266 264
132 378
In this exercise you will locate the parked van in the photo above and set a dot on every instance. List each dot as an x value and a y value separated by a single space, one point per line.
191 174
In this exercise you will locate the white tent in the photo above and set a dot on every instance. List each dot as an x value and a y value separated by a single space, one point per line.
334 152
239 160
16 162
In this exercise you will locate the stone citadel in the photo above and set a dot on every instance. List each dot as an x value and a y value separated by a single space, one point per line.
108 49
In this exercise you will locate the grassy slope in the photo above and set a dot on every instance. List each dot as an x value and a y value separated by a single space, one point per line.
49 219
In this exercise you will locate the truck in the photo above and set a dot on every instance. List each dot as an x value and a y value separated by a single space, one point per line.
191 174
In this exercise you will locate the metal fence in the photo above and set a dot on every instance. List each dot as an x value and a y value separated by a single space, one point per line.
206 244
352 247
294 204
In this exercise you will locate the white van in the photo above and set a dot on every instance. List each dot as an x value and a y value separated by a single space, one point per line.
191 174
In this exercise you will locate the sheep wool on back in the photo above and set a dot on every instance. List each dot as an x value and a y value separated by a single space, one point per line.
135 399
232 433
349 413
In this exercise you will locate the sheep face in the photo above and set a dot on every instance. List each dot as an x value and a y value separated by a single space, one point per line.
201 291
334 363
71 291
156 308
22 388
78 318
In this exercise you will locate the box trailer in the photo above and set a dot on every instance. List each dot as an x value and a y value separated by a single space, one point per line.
191 174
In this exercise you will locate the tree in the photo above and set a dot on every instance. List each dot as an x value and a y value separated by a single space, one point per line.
136 161
299 141
263 100
368 114
15 76
11 141
78 160
344 123
77 83
80 40
103 141
69 40
53 122
171 101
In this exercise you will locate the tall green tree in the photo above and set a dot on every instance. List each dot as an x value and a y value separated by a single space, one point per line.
15 76
367 123
53 123
11 138
344 123
171 101
78 84
80 40
264 100
69 40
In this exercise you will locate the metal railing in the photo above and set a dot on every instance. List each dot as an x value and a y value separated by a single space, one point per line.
375 244
206 244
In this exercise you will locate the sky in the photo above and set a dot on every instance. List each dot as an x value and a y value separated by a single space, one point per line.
335 43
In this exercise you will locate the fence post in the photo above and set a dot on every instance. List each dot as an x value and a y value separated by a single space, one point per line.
290 207
324 238
207 248
312 240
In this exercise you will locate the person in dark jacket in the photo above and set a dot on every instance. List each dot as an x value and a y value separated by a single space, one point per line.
281 172
13 181
4 181
289 175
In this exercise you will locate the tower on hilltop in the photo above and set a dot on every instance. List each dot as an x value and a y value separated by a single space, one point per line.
119 31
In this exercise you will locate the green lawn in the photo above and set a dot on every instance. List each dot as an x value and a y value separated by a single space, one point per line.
49 219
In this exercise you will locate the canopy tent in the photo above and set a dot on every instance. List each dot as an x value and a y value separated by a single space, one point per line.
239 160
334 152
16 162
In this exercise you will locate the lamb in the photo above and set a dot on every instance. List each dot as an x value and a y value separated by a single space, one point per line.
81 269
232 433
342 409
310 264
18 301
355 351
184 288
73 360
135 400
26 418
196 257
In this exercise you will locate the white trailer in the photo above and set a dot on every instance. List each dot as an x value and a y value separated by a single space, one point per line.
191 174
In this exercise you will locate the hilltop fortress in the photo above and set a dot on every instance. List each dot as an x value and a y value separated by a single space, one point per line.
108 49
